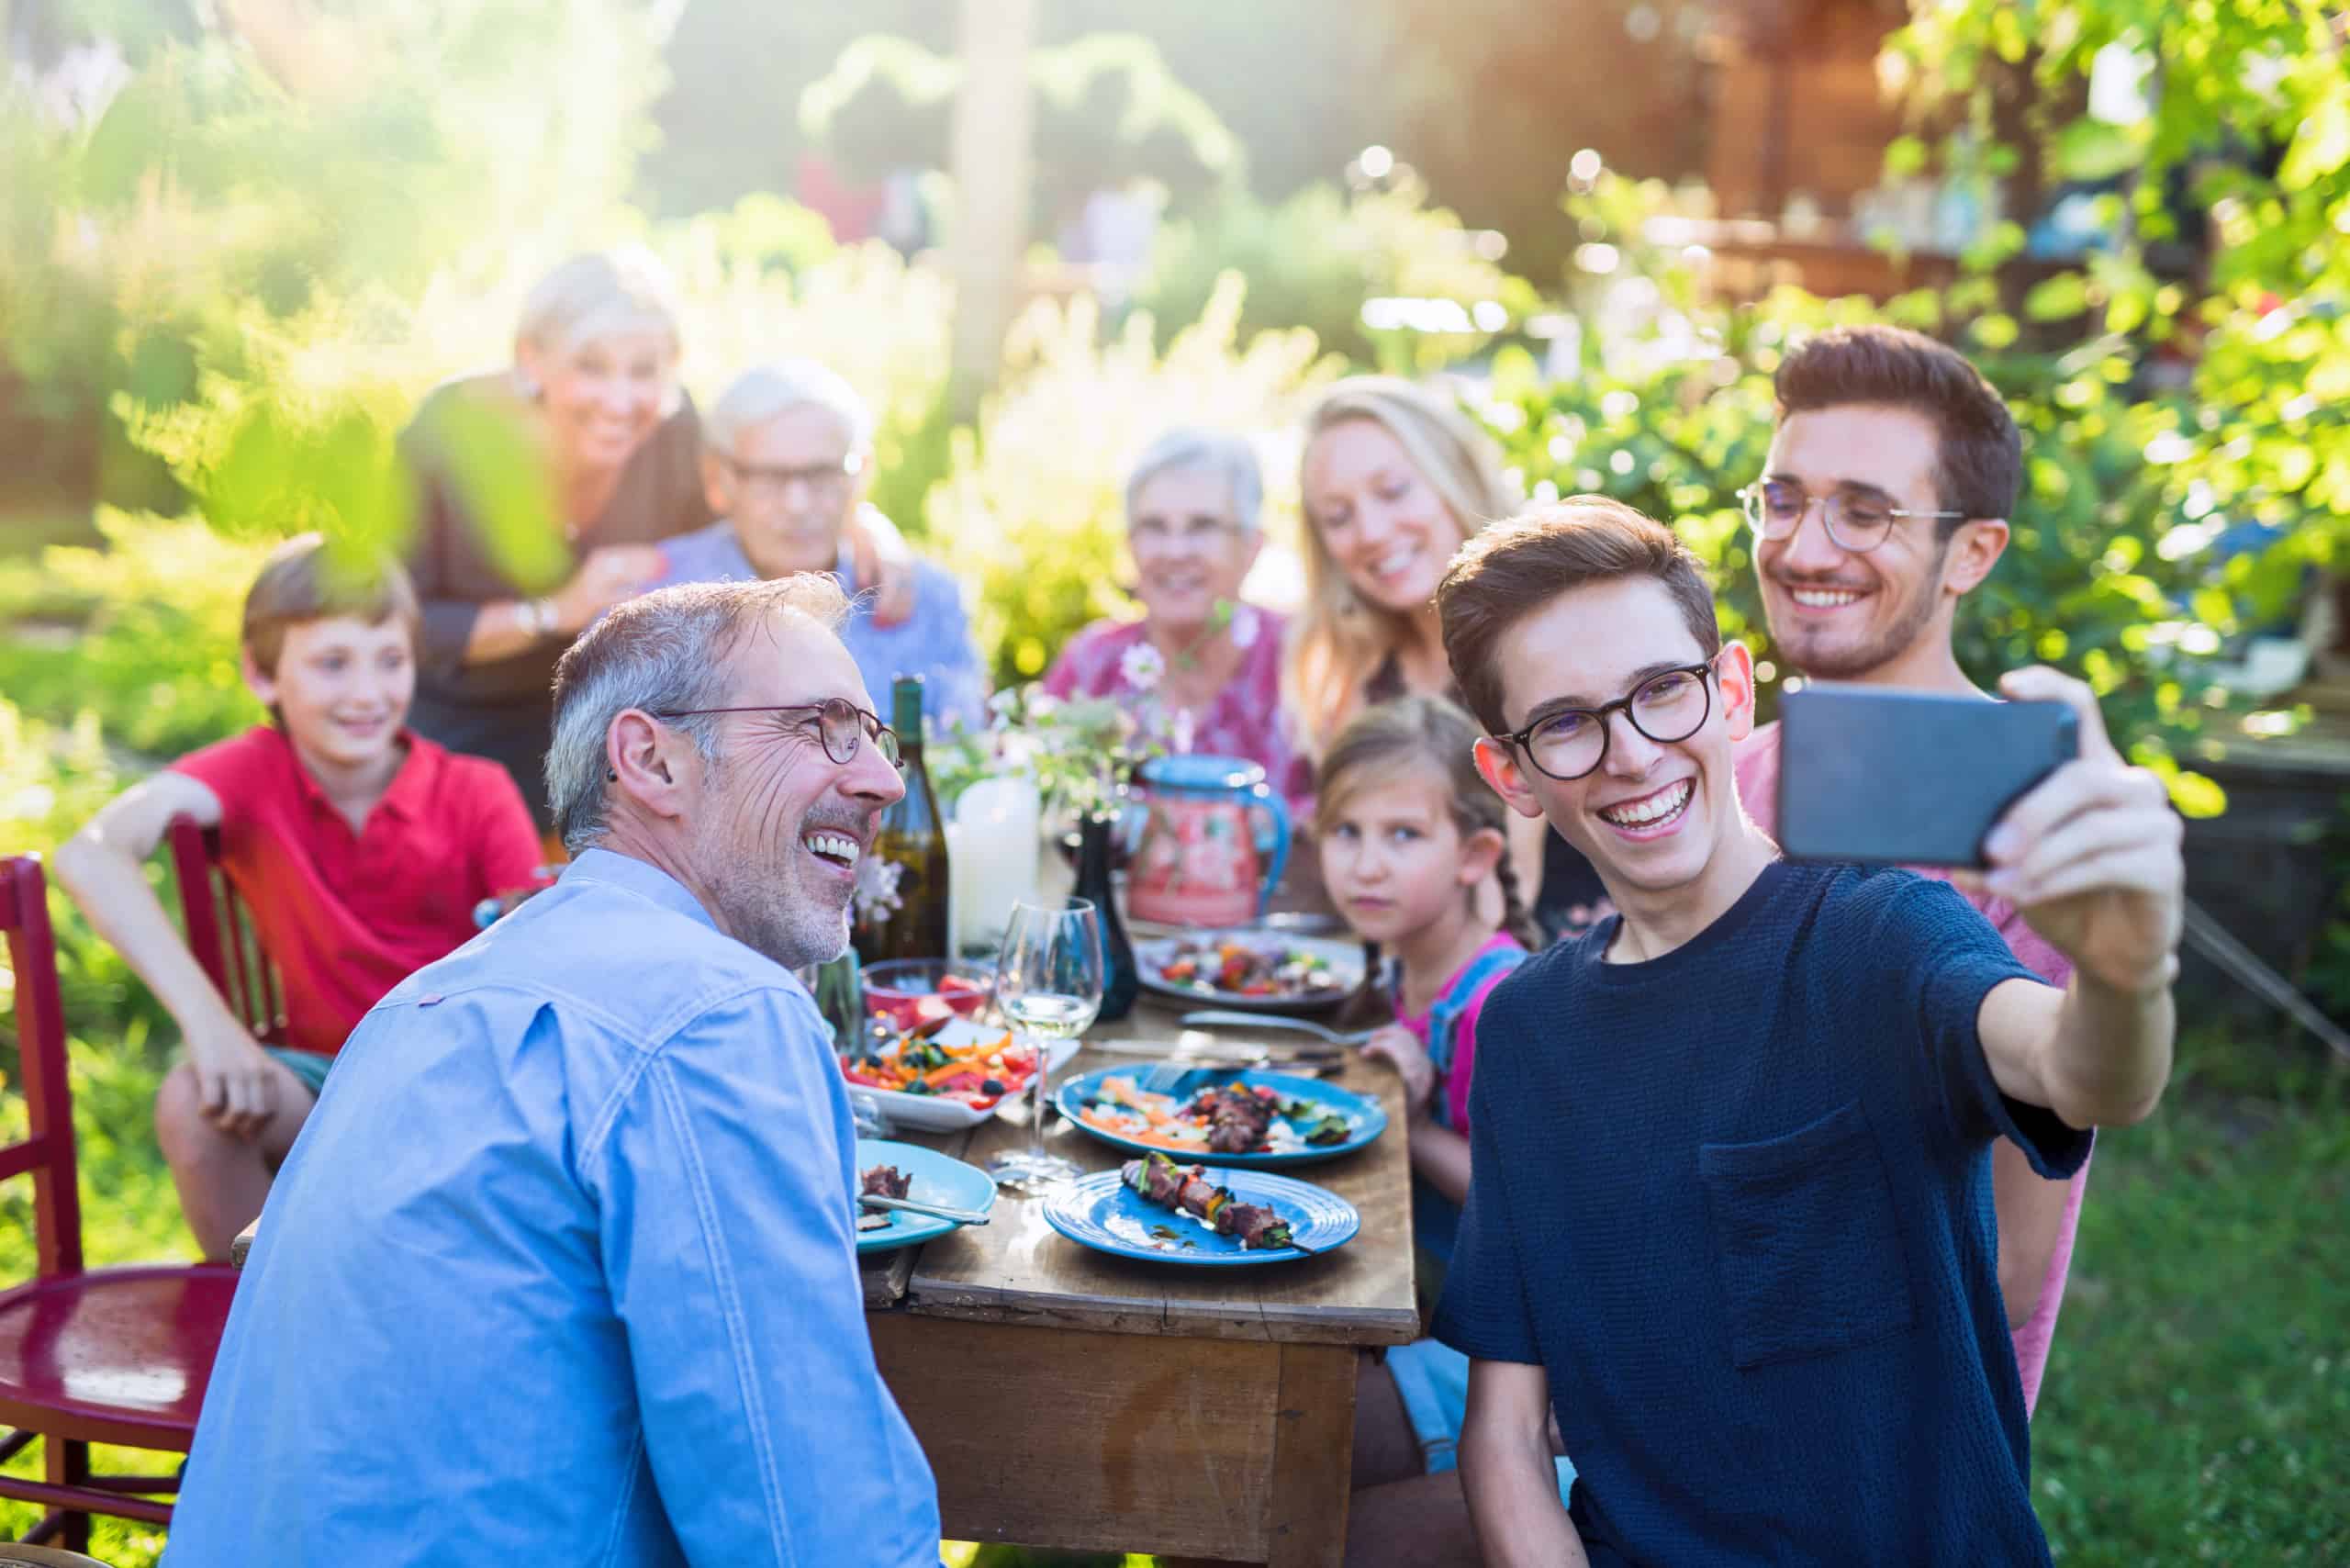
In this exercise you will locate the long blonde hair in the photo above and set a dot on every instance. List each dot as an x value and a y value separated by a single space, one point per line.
1385 740
1338 641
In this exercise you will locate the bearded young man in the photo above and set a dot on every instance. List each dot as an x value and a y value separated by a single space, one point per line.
1731 1222
564 1268
1882 504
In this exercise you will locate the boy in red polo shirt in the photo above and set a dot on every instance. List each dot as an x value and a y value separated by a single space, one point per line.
360 847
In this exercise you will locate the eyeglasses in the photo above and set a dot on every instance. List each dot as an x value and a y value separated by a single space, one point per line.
1670 705
1197 533
826 480
1857 522
840 725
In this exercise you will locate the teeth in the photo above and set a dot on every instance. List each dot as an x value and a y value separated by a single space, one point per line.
1823 599
832 846
1388 565
1656 808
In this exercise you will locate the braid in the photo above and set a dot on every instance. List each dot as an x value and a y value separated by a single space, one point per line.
1515 918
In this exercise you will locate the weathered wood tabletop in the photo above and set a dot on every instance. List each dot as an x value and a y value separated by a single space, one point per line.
1067 1398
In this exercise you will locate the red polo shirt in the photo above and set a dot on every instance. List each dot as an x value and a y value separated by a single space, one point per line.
345 916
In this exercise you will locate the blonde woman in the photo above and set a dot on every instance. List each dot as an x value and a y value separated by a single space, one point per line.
1393 480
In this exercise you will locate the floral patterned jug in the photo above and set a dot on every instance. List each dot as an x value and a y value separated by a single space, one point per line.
1199 859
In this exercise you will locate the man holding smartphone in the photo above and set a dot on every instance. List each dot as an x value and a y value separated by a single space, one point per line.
1883 503
1732 1221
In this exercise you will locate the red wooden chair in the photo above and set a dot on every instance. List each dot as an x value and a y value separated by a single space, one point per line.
220 933
117 1355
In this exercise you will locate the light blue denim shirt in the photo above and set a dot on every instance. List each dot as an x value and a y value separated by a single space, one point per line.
933 643
563 1270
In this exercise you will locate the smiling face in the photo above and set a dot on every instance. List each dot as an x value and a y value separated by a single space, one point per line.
1385 527
1189 549
1835 615
1652 815
603 395
788 489
779 825
342 687
1393 857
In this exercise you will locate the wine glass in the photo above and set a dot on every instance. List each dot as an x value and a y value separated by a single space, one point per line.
1048 981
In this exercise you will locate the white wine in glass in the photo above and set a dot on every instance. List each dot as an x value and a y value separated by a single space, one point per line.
1048 981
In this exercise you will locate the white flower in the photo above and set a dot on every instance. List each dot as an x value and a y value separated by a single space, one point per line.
876 888
1245 624
1140 666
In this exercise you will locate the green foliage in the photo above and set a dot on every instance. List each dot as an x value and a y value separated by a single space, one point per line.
1107 109
1032 508
1315 259
2228 85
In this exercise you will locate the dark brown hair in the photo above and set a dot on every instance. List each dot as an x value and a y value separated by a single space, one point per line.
1978 464
1381 743
1514 568
307 579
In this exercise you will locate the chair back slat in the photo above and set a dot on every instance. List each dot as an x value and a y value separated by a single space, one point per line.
47 1151
219 932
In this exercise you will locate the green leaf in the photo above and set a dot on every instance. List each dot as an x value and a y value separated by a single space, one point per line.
2057 298
1904 156
2322 143
1997 331
2196 796
2092 149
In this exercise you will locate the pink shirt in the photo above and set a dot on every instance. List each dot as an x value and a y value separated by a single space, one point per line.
1757 769
1114 659
1464 1033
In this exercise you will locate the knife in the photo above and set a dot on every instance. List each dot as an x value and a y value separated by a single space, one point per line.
1252 1053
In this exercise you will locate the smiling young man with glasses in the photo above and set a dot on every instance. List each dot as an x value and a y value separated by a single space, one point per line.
1883 503
786 460
1732 1221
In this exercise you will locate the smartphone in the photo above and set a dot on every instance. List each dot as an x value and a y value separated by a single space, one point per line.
1909 778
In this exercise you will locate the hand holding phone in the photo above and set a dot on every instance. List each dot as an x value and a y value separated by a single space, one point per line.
1909 778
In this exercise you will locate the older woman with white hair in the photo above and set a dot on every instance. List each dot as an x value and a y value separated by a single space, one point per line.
1201 668
542 493
786 460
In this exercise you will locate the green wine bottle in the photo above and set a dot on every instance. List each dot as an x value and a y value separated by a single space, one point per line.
901 901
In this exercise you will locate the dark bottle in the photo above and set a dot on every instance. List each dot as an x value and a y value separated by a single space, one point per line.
1121 981
902 899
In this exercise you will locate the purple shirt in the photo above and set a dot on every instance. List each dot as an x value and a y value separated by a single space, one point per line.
1115 658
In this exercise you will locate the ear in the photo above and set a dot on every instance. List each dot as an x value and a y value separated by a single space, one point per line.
657 767
262 686
714 486
862 485
1734 674
1480 853
530 362
1497 765
1971 553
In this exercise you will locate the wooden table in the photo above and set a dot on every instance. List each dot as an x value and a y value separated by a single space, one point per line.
1069 1398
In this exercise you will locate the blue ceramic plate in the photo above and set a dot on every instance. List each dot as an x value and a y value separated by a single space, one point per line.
937 1179
1365 1119
1100 1212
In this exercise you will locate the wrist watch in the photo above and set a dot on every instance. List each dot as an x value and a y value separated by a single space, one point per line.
539 617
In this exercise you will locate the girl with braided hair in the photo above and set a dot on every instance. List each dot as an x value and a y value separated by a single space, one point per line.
1411 838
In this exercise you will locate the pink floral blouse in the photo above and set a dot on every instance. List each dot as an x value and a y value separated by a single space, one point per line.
1114 659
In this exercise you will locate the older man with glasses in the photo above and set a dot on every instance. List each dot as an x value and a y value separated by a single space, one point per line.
788 461
564 1266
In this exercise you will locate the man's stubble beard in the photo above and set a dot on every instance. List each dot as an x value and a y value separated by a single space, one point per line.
1898 639
769 911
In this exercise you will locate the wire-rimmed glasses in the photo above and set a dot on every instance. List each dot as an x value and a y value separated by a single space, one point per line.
840 725
1858 521
1670 705
763 481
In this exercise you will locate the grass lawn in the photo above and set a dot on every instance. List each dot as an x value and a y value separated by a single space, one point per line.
2197 1401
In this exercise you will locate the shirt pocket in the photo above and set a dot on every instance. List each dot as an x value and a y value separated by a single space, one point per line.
1809 1246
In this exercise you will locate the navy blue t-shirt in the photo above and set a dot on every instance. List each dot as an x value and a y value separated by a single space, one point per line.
1737 1201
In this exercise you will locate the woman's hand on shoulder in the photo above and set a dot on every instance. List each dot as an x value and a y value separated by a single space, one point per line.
1402 1050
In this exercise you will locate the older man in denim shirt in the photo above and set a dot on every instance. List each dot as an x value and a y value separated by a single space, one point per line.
786 460
562 1269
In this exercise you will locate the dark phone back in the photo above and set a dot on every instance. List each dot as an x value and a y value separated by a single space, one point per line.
1909 778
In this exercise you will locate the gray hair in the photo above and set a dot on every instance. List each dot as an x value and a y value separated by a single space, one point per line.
600 292
766 392
664 652
1228 457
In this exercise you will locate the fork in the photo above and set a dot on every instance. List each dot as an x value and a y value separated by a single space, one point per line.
1274 1021
916 1206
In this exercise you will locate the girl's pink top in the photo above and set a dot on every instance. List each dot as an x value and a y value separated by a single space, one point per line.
1464 1034
1115 658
